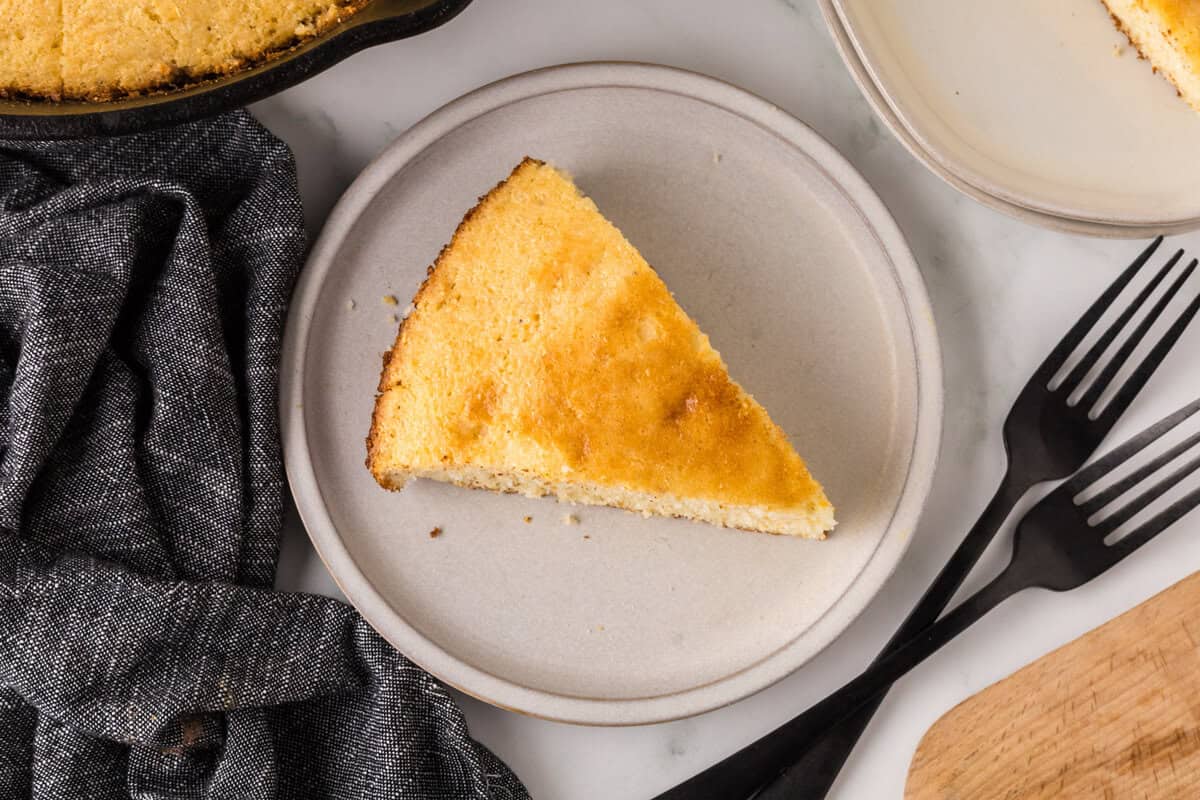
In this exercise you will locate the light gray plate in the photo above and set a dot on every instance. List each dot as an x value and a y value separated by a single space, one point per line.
862 76
788 261
1028 107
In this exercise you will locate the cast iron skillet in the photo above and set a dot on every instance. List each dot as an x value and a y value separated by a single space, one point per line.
381 21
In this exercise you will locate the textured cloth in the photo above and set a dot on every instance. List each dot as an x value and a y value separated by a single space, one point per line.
144 283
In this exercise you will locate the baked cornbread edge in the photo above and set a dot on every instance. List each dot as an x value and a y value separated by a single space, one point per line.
1192 96
813 525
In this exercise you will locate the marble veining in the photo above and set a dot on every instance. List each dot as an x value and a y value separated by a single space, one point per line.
1003 292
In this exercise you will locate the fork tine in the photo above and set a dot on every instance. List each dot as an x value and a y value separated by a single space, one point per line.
1139 503
1101 500
1156 524
1129 345
1075 378
1059 355
1129 390
1102 466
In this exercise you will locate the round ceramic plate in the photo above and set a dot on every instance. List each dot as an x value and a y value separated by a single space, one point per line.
866 84
1028 108
794 268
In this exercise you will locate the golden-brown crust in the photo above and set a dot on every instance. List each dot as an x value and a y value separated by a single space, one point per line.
430 272
543 345
183 77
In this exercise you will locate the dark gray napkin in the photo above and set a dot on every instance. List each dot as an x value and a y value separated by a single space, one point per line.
144 282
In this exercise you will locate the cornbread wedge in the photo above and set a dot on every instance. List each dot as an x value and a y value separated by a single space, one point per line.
545 356
1167 32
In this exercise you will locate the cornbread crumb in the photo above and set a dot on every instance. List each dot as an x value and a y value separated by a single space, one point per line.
528 520
570 519
390 300
1118 50
350 304
436 532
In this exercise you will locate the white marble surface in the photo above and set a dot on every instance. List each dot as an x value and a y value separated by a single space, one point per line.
1003 293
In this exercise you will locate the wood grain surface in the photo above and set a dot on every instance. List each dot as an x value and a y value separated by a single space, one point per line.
1115 715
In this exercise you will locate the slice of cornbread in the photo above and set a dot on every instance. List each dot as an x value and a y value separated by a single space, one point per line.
30 48
1167 32
545 356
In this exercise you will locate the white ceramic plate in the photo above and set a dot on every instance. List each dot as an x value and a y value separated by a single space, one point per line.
796 271
878 102
1026 103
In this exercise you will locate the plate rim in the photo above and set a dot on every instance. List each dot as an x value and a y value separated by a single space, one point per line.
882 103
541 703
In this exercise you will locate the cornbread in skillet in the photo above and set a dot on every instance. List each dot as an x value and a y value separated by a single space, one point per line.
100 49
30 47
1167 32
544 356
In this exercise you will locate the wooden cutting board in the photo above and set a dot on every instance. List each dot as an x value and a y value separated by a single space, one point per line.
1115 715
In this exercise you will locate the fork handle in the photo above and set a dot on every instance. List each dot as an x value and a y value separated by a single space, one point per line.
811 776
741 773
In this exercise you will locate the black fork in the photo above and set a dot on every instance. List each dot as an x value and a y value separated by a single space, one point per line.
1061 544
1046 437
